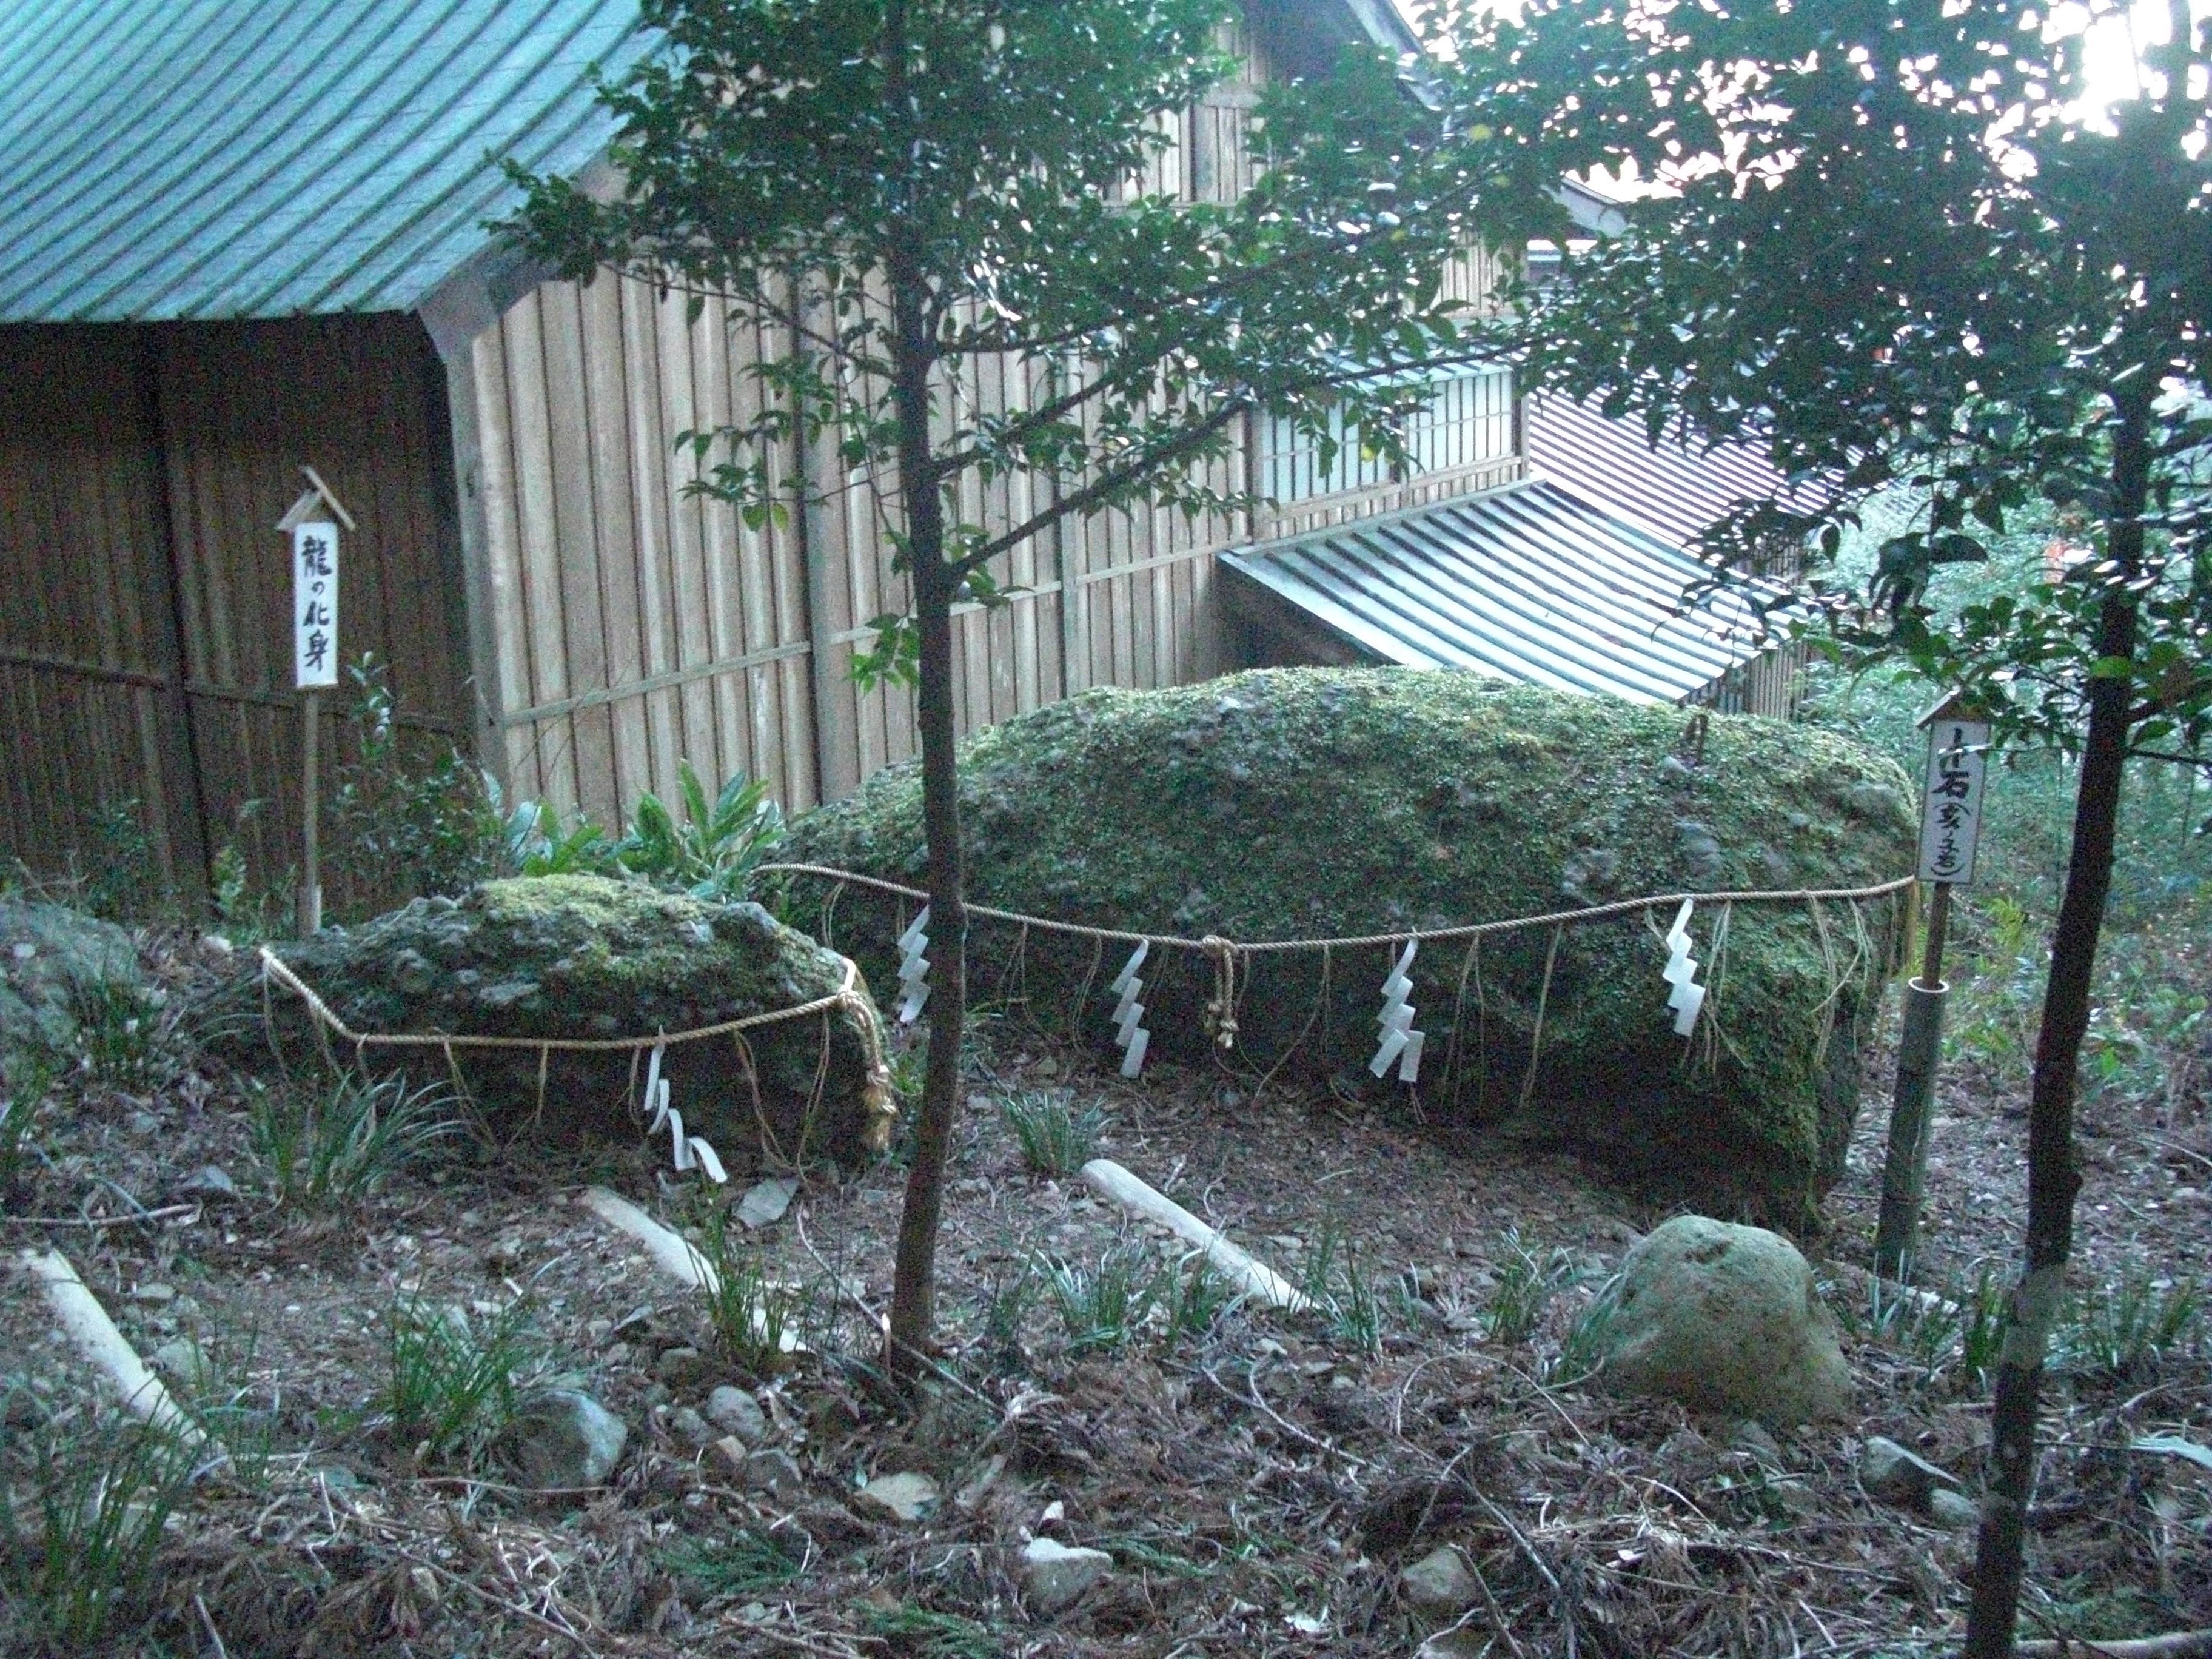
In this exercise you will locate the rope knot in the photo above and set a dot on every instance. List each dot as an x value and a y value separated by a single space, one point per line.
1221 1007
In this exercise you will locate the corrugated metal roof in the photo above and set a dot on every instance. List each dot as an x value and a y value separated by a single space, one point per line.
165 159
1672 490
1527 583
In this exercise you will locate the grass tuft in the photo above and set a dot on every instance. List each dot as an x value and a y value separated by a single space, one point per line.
1103 1308
746 1563
325 1149
1338 1285
2122 1330
119 1037
1583 1349
1054 1138
27 1077
451 1385
928 1634
1526 1285
753 1317
78 1558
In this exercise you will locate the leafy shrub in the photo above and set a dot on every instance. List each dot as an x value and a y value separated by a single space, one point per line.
712 854
1054 1138
120 878
78 1558
401 823
451 1385
327 1147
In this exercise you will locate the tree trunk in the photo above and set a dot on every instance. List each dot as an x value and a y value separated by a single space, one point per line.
2053 1177
914 1291
914 1284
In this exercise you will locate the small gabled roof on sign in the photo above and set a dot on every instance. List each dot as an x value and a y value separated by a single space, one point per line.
312 500
1955 706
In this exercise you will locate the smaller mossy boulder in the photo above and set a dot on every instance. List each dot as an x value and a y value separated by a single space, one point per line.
568 957
1313 804
53 960
1725 1319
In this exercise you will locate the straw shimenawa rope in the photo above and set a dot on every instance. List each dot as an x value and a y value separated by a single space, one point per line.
876 1096
1222 953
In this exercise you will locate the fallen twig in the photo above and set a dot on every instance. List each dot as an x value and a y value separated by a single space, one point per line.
100 1223
2177 1645
553 1625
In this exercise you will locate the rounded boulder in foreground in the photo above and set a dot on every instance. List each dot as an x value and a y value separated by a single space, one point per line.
1725 1319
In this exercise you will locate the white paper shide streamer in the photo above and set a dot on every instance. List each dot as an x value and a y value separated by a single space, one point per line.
1681 972
914 967
1401 1041
690 1152
1129 1033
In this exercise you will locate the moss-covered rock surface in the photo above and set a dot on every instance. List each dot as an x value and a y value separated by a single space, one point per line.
1315 803
584 957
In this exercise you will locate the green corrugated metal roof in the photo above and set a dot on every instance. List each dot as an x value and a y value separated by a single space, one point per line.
165 159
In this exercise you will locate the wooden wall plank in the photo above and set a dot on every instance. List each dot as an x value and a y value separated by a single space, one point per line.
576 549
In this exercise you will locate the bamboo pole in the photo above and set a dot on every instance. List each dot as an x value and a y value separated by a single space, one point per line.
1252 1276
1919 1051
78 1312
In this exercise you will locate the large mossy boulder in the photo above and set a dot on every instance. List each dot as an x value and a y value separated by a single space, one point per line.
1313 803
54 962
584 957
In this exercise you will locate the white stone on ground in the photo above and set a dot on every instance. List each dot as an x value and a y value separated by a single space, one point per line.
907 1496
1055 1574
1440 1583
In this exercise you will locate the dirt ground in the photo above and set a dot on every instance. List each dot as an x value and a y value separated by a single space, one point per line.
1260 1488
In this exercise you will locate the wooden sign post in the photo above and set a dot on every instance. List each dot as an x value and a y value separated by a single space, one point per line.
1950 826
313 523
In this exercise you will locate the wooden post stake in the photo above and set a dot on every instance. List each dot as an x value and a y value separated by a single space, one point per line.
311 883
312 525
1905 1171
1950 824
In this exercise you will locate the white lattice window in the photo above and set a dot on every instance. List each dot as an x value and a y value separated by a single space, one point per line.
1468 420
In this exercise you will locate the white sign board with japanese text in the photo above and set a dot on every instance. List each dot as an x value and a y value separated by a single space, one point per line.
314 605
1951 814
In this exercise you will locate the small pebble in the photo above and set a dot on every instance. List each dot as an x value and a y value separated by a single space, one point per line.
688 1425
735 1412
675 1364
